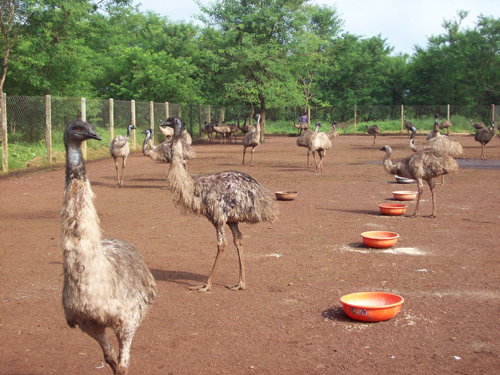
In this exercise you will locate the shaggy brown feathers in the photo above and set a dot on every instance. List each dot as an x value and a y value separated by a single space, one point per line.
251 139
374 129
106 283
422 166
484 136
228 197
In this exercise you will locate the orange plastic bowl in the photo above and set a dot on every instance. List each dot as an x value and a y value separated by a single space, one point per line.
392 209
372 306
380 239
405 195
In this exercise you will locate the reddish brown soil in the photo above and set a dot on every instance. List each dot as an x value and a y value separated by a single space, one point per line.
290 320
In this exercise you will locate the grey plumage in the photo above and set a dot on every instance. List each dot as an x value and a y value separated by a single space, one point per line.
208 129
119 148
477 125
251 139
424 165
484 136
448 145
229 197
374 129
445 125
106 283
435 130
408 125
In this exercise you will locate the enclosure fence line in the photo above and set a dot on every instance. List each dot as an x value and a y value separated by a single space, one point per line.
35 120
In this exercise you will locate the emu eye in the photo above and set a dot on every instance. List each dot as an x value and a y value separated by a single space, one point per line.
77 129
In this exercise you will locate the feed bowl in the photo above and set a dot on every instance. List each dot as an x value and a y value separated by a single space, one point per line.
405 195
372 306
380 239
392 209
404 180
286 195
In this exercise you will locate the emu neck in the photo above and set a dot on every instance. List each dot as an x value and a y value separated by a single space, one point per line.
75 167
180 181
392 169
79 220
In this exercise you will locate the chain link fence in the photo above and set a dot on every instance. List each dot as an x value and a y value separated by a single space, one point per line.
33 126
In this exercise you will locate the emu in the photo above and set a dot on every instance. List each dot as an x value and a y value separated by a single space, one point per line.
106 282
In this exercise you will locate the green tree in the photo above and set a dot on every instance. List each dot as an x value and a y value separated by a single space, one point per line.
253 56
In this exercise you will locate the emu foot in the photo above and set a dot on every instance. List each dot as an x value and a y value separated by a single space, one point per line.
240 286
201 288
111 360
121 370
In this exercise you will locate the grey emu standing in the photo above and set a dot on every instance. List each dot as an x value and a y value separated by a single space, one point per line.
229 197
106 282
408 125
119 148
484 136
251 139
374 129
448 145
422 166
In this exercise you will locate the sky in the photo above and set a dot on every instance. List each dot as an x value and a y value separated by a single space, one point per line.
404 23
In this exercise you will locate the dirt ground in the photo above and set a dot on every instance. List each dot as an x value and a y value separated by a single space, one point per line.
290 320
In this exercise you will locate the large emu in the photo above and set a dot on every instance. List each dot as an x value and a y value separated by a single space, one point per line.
422 166
303 141
477 125
119 148
251 139
229 197
374 129
106 283
448 145
484 136
320 143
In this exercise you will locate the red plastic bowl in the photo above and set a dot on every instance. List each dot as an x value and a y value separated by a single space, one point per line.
392 209
372 306
380 239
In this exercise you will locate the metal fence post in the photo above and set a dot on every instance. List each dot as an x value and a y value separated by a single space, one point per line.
493 112
5 143
132 121
84 119
111 120
48 128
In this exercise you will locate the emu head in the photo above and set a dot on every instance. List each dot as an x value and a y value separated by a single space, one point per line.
78 131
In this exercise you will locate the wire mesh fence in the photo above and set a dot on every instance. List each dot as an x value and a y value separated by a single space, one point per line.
39 122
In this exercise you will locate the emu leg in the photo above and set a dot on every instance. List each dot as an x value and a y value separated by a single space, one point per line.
244 151
442 179
98 333
315 162
124 337
117 173
221 246
251 156
420 191
123 170
375 136
238 242
308 154
434 208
